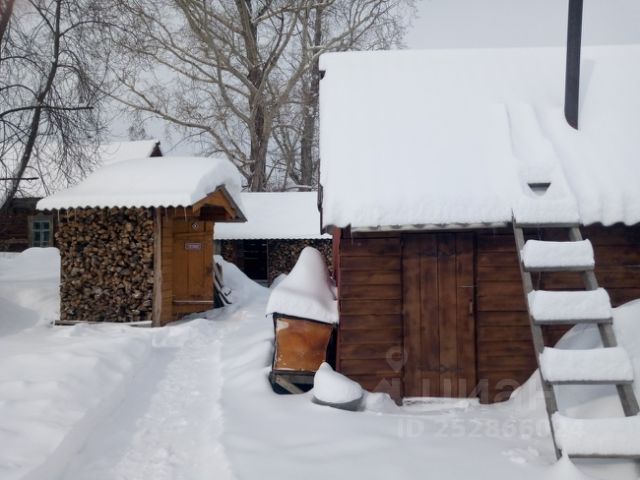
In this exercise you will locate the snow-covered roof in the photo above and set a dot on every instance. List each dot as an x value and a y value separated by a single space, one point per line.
117 151
275 215
150 182
51 179
441 137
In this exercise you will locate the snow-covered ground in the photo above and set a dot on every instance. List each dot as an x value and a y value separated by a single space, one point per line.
192 401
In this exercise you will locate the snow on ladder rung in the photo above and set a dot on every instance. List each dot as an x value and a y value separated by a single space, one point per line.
600 437
540 255
597 365
550 307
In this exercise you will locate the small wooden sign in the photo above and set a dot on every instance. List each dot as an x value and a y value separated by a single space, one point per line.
192 245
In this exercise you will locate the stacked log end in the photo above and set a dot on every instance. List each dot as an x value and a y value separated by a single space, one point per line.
106 264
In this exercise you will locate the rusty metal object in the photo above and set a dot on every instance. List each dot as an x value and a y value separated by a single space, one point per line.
301 345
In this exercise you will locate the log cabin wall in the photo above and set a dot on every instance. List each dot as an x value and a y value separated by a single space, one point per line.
106 264
15 235
373 336
14 229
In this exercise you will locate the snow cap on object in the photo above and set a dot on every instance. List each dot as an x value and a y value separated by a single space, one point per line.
597 436
275 215
150 182
307 291
596 364
454 137
551 306
546 254
333 387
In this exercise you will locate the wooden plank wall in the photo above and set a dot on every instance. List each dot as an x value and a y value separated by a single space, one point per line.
505 357
371 337
617 252
370 290
505 353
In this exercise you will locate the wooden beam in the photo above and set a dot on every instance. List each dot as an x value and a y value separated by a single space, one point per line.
157 269
220 198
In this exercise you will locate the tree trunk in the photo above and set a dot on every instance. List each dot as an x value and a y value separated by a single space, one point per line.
260 133
34 126
259 149
311 95
6 9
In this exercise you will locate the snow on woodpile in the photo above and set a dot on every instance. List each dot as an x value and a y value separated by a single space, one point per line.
333 387
149 182
307 292
275 215
454 136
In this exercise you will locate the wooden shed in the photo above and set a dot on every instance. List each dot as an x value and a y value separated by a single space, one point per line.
424 157
136 238
279 226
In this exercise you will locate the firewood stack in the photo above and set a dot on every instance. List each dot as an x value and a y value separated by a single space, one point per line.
283 254
107 264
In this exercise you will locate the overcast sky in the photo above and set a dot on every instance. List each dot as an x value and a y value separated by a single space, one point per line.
517 23
488 23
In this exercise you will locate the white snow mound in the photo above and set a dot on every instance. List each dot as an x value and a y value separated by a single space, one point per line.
333 387
307 292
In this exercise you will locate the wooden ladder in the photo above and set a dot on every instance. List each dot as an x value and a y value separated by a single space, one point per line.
598 438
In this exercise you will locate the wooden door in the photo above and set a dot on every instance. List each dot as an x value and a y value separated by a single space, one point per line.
438 315
193 262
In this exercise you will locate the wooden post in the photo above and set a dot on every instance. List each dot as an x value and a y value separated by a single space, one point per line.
157 269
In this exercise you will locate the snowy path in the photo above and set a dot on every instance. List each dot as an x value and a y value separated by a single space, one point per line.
170 422
192 401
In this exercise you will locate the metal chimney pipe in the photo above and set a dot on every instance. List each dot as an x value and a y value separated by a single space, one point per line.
572 76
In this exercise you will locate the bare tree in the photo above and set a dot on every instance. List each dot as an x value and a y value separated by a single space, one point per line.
231 72
385 29
6 10
47 118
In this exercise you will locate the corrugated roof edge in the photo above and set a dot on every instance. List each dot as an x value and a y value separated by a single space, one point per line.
240 219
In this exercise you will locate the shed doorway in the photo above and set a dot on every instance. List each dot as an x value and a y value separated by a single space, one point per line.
438 315
193 263
255 260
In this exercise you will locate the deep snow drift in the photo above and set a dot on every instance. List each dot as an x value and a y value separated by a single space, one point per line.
192 401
